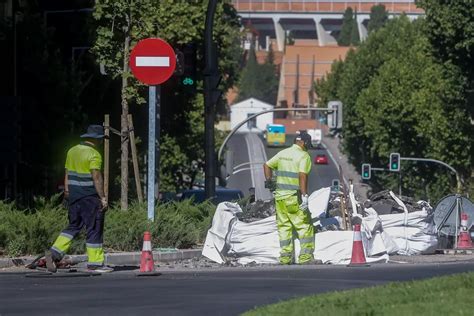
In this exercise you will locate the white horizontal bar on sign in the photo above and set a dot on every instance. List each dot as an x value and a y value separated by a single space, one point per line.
152 61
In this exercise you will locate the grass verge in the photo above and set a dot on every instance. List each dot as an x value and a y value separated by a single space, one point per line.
448 295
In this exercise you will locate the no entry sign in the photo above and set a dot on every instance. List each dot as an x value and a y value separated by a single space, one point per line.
152 61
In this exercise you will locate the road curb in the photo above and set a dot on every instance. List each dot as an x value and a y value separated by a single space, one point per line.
118 259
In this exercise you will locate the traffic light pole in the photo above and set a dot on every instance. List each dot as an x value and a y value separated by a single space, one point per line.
210 72
458 178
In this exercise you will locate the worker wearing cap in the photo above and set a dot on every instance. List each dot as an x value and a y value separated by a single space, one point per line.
292 166
84 190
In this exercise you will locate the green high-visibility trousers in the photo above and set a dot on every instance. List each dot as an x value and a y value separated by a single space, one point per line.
290 218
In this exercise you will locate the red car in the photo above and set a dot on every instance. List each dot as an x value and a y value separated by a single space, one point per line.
321 159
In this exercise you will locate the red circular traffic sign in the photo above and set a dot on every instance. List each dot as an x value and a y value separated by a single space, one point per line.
152 61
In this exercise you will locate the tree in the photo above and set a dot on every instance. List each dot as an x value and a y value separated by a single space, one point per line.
128 21
344 38
397 97
249 85
259 81
378 17
270 78
355 39
57 107
120 23
450 29
326 88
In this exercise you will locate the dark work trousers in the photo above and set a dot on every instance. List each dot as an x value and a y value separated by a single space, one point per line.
87 212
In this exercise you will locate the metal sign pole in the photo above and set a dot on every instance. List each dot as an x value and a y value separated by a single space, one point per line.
151 151
157 137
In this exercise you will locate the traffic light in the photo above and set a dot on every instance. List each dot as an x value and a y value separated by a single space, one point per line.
394 162
335 118
186 66
366 172
179 69
335 185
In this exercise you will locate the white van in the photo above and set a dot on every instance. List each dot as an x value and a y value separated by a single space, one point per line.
316 137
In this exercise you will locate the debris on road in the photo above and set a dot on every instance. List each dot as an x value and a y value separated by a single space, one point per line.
390 225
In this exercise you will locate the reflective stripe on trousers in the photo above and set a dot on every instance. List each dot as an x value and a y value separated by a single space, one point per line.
85 212
290 218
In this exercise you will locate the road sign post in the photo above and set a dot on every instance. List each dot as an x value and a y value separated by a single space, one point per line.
152 62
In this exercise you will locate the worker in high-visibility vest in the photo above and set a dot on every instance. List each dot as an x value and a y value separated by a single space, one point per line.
292 166
84 191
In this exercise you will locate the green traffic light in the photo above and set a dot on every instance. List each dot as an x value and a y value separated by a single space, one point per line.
366 174
394 166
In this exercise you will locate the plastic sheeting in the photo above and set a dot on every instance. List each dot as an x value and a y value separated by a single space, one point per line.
414 233
257 242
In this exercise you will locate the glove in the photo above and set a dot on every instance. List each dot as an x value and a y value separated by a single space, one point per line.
104 203
304 202
270 185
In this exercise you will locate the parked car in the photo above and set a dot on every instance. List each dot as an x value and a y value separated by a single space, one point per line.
321 159
222 195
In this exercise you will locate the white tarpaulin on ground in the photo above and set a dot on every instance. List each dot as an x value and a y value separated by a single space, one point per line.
406 233
414 233
258 241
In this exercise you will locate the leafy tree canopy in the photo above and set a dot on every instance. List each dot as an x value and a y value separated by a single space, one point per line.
259 81
177 22
378 17
398 98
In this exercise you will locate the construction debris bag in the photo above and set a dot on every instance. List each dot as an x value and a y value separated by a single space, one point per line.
258 242
414 233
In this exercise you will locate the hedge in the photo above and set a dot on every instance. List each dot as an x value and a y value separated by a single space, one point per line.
32 231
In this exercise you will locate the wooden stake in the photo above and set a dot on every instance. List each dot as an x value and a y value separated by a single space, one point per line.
106 155
135 159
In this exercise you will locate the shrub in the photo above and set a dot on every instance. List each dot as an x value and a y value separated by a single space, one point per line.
32 231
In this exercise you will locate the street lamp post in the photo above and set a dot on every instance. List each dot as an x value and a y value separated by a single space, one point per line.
210 74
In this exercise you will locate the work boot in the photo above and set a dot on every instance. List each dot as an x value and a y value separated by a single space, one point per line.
50 262
311 262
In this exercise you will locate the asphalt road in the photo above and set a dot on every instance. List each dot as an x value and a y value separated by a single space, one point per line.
321 175
248 156
242 150
223 291
237 148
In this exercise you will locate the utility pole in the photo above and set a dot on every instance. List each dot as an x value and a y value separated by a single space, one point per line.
211 80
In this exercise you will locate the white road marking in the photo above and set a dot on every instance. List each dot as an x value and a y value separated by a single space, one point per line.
152 61
335 164
257 154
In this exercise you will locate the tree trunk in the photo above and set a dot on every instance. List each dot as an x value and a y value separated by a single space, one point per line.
124 131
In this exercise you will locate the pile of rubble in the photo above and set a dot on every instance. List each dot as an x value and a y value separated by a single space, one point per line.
390 225
383 203
256 211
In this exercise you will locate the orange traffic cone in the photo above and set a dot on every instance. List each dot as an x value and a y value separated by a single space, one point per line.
147 265
464 239
358 256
